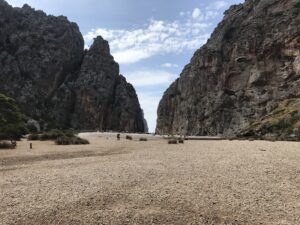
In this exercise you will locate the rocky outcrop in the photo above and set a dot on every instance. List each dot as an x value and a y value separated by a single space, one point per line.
44 67
248 67
283 123
104 99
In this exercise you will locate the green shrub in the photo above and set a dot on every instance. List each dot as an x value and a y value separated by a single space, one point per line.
71 141
128 137
55 134
46 137
33 137
172 141
51 135
281 124
31 128
11 123
61 137
80 141
143 139
6 145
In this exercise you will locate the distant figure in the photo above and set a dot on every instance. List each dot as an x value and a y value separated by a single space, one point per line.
118 137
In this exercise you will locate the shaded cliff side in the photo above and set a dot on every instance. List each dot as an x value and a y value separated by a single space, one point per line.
44 67
248 67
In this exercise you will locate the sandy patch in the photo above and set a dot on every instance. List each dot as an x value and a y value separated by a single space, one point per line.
132 182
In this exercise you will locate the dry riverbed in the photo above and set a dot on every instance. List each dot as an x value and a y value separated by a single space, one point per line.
131 182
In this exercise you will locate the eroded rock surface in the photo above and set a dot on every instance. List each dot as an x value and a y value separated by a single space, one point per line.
104 99
283 123
248 67
44 67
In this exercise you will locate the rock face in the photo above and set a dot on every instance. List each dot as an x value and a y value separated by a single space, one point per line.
248 67
44 67
283 123
104 99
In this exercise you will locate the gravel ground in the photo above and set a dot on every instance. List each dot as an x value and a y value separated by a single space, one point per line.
131 182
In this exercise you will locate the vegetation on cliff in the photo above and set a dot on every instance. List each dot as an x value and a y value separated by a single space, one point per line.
283 123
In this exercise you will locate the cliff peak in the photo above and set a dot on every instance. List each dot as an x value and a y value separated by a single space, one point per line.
100 46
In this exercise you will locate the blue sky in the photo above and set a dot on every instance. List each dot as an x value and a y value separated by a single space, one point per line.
151 40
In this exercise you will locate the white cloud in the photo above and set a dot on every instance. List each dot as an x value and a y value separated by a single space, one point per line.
130 56
157 37
210 14
196 13
170 65
145 78
220 5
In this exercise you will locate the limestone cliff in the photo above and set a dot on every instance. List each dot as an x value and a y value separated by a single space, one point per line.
44 67
104 99
248 67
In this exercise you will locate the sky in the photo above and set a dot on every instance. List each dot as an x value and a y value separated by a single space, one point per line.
151 40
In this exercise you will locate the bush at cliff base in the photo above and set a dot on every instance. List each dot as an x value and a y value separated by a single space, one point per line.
11 124
61 137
